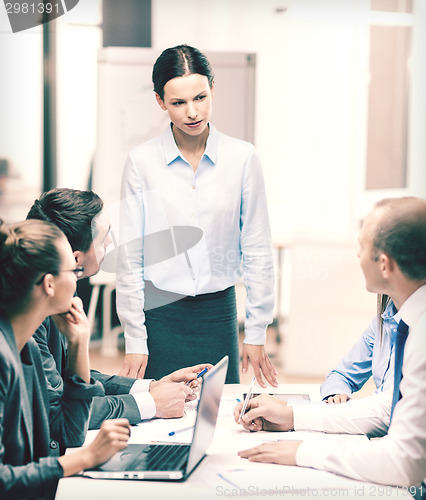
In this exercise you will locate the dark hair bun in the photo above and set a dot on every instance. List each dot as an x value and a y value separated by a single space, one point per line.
9 243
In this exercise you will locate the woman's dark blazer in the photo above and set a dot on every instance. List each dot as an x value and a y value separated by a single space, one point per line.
27 467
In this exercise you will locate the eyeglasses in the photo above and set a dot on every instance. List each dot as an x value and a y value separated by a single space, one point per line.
78 273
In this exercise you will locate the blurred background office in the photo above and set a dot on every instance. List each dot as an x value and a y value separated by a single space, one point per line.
339 120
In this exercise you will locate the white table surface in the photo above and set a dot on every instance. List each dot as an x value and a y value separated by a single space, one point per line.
222 474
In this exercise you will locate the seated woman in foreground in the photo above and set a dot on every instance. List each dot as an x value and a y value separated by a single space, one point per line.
37 279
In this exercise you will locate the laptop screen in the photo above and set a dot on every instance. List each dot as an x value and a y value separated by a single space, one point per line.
208 408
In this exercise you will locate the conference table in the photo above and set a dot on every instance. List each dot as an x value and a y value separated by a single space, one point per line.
222 473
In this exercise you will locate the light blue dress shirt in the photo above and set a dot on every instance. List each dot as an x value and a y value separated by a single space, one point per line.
368 357
225 198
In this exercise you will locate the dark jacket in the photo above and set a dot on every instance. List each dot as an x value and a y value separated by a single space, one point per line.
115 403
28 424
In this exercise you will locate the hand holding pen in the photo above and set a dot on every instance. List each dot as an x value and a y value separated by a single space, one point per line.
187 375
248 396
184 429
199 374
265 413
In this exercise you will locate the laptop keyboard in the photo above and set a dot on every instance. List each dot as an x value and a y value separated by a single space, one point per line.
162 457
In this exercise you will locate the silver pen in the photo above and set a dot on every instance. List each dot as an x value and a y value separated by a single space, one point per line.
248 396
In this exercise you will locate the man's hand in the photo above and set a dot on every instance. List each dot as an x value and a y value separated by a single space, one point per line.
337 399
261 364
134 365
283 452
265 413
170 398
187 375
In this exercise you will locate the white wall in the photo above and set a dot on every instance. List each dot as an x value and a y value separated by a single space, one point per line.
305 97
329 307
79 37
21 103
311 100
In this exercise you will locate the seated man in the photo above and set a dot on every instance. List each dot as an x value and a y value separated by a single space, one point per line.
392 255
80 215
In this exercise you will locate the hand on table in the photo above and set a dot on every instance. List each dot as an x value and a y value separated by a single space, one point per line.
281 452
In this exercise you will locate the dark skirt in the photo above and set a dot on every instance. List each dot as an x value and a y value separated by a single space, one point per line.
191 330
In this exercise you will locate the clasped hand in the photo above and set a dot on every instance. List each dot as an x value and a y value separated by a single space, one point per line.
267 413
171 392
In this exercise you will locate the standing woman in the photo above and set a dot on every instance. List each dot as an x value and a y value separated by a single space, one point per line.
38 279
176 294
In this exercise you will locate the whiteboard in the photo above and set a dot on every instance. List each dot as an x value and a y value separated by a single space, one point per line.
128 113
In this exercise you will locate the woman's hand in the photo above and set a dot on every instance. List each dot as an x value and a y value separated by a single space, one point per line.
112 437
75 326
265 413
261 363
74 323
134 365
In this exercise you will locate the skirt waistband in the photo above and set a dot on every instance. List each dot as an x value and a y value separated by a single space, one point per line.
153 291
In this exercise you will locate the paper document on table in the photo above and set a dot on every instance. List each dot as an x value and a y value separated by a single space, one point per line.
176 434
227 406
191 408
279 480
251 439
159 430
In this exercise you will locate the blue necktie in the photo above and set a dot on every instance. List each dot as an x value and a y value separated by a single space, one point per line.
400 338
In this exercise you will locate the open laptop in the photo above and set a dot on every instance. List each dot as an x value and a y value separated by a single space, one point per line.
171 462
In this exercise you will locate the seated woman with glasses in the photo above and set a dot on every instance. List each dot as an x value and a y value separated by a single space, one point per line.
37 279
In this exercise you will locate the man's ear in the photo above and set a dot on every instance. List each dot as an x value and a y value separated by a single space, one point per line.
78 256
160 102
386 265
212 88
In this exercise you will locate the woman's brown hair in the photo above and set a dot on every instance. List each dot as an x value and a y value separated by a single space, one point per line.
27 251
